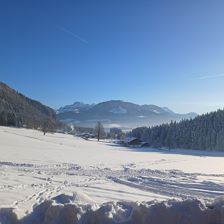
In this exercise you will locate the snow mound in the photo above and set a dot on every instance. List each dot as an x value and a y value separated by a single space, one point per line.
76 197
63 209
64 199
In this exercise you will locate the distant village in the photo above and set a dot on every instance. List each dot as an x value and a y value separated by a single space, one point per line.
114 134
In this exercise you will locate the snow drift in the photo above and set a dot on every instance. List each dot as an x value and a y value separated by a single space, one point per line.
65 209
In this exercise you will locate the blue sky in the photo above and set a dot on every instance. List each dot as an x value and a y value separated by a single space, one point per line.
168 53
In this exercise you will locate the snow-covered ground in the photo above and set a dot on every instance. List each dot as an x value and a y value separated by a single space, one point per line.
35 168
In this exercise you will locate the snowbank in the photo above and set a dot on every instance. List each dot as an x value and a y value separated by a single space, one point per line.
65 209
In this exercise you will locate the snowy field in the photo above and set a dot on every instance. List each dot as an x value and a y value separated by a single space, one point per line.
67 170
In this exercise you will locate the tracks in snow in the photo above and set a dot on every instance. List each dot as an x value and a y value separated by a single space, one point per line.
48 180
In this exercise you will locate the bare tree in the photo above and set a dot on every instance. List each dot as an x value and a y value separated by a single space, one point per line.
48 126
99 131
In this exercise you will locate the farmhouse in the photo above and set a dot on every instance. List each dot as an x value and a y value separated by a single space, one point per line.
134 142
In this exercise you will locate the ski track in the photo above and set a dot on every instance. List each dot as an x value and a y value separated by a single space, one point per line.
55 178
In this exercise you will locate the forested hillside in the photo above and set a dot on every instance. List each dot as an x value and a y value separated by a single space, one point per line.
18 110
204 132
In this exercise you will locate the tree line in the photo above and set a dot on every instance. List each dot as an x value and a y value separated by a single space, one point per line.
205 132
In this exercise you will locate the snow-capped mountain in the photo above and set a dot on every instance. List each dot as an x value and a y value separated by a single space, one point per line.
76 107
117 113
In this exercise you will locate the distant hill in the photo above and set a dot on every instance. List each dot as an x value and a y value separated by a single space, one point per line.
205 132
18 110
117 113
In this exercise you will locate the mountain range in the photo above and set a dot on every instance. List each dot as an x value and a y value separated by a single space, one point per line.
19 110
117 113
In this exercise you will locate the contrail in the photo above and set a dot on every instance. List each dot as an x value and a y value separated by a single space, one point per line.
210 76
74 35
